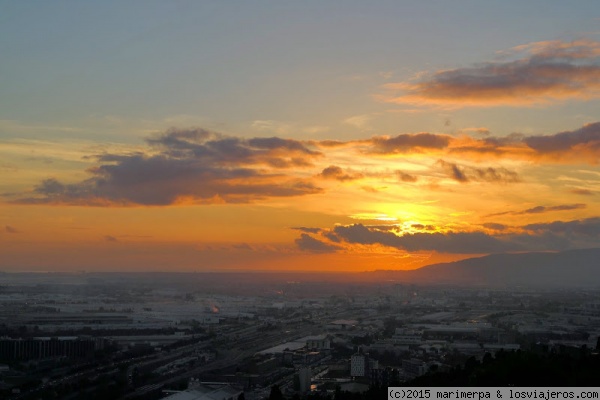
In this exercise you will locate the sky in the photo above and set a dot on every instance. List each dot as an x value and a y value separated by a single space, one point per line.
280 136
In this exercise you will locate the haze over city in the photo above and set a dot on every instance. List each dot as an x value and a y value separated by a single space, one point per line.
300 136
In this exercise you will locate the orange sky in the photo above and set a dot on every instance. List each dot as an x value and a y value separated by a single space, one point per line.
124 160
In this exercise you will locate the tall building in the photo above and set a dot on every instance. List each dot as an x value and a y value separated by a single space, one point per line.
358 365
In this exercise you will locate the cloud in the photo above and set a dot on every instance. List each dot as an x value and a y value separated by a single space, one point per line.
495 226
535 73
198 166
577 146
337 173
407 143
542 209
450 242
10 229
272 126
423 227
583 192
360 121
465 174
557 235
583 143
195 166
404 177
585 227
306 229
214 148
110 238
479 131
308 243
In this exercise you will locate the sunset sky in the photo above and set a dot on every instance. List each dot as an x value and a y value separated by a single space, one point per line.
307 135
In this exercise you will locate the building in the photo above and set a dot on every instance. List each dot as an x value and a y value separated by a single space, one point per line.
414 368
304 379
318 343
47 347
358 365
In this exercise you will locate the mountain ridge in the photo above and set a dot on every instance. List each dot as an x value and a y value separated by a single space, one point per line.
551 269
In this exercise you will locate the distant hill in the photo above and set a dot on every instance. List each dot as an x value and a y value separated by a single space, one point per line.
561 269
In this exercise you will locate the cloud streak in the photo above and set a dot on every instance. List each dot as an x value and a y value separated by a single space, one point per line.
542 209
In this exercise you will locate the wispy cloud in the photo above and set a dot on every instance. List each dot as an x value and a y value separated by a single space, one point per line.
360 121
11 229
542 209
466 174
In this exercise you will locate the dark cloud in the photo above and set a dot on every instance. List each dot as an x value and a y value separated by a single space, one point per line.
423 227
450 242
225 150
332 236
453 171
544 72
466 174
560 235
110 238
586 227
308 243
556 235
194 166
10 229
578 146
337 173
407 143
580 143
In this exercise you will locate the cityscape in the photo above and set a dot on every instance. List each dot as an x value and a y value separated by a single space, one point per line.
180 336
298 200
